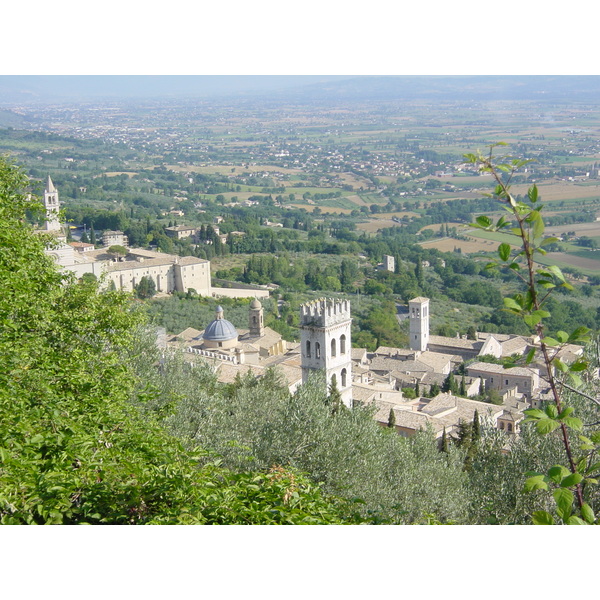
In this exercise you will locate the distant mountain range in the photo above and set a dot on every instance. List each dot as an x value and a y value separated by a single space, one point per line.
301 88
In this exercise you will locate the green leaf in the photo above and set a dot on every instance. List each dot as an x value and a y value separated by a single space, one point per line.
566 412
556 272
532 194
538 226
551 411
541 517
511 304
535 483
530 355
573 423
532 320
549 341
545 426
535 413
575 380
574 520
564 502
483 221
560 365
580 335
549 240
562 336
593 468
579 365
504 251
542 313
571 480
557 473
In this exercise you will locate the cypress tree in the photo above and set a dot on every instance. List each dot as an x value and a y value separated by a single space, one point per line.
463 387
392 419
476 427
444 443
335 398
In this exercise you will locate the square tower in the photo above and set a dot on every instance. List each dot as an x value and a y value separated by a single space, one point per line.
389 263
418 309
325 342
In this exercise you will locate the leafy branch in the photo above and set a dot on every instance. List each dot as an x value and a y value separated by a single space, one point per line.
525 223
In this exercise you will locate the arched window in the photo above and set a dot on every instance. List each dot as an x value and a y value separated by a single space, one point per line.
344 374
254 320
308 348
317 350
333 347
343 344
509 427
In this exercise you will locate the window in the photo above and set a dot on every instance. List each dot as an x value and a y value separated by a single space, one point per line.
317 350
308 348
333 347
343 344
506 382
509 427
344 373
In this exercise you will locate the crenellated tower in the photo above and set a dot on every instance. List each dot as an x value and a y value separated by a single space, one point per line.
325 335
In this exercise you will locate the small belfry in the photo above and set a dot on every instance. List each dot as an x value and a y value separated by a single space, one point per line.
52 205
256 319
325 334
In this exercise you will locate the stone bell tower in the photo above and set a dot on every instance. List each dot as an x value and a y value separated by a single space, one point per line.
256 319
325 327
418 309
52 206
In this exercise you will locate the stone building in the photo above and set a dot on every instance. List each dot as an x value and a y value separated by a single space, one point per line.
325 339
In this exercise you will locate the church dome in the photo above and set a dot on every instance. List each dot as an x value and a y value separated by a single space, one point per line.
255 303
220 330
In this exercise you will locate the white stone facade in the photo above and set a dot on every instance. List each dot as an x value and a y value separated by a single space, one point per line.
52 205
418 309
325 334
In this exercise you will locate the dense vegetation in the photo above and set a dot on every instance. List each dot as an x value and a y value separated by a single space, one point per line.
73 447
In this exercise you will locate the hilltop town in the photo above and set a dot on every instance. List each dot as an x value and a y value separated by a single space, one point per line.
444 372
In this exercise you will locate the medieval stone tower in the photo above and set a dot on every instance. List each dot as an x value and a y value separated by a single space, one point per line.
256 319
52 207
326 343
419 323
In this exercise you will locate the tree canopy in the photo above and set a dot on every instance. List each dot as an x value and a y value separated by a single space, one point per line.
73 446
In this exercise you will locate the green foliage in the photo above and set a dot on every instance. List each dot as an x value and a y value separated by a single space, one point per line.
117 250
255 424
73 448
526 224
146 288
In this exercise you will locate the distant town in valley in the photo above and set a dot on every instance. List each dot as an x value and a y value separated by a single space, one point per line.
322 231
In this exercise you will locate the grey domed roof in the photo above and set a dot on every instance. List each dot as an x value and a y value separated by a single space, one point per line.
255 303
220 330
